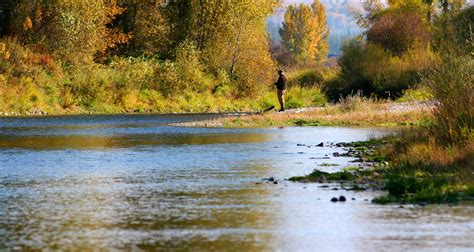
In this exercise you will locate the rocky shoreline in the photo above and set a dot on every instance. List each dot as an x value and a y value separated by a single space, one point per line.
372 171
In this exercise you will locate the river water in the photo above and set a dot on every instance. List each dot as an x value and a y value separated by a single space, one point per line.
134 183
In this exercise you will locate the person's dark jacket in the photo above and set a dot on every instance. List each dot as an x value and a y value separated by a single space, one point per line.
281 83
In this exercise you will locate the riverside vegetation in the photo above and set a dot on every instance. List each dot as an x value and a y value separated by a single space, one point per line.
432 162
69 56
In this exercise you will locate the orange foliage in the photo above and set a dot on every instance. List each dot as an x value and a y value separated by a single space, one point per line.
113 36
27 24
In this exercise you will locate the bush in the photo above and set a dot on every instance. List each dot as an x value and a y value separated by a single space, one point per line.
369 68
186 73
306 78
421 93
28 80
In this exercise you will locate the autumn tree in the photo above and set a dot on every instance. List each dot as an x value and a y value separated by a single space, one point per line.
71 29
231 37
400 32
305 33
319 47
238 42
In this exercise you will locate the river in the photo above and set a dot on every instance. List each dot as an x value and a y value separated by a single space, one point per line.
133 183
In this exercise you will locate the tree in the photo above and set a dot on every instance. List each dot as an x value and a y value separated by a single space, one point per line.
464 30
400 32
305 33
232 38
71 29
319 47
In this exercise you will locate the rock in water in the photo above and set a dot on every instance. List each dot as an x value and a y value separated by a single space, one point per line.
334 199
342 198
320 145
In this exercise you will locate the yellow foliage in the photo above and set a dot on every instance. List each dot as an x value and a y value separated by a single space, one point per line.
305 33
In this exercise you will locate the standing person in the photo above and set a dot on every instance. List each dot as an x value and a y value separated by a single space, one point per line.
281 86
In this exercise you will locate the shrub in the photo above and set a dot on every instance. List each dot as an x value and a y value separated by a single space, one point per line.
421 93
369 68
306 78
187 73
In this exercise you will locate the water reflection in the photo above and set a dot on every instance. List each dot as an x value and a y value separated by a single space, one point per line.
145 211
128 183
122 141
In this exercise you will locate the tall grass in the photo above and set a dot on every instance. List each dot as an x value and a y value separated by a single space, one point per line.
436 163
452 84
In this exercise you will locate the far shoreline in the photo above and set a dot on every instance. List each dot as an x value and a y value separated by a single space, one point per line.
385 114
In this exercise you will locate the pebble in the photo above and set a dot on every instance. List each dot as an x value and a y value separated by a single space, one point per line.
342 198
320 145
334 199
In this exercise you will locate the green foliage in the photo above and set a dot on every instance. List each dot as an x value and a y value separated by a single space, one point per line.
454 32
199 41
305 97
320 176
421 93
368 68
306 78
464 31
33 81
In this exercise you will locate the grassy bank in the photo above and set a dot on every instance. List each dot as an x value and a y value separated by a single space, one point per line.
33 82
354 111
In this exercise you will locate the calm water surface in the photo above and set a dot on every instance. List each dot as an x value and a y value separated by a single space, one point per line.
132 182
